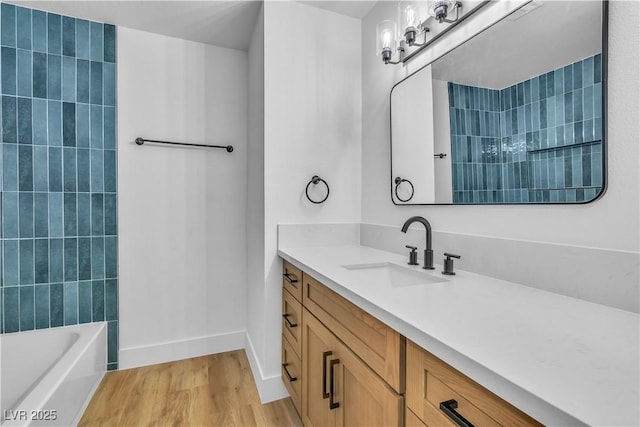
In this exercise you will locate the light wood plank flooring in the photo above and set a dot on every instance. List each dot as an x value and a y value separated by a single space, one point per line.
214 390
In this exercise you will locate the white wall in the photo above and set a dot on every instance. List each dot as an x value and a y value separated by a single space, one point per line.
181 210
609 223
312 125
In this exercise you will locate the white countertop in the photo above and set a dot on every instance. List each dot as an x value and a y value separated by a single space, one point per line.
561 360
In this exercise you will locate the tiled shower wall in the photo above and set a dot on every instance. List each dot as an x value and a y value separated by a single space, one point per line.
58 173
536 141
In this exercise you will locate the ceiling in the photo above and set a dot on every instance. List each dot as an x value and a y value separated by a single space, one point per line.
221 23
554 34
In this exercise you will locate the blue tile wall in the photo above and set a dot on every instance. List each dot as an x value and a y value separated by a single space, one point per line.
58 201
536 141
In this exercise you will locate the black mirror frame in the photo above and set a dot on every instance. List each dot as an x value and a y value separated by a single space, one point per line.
605 130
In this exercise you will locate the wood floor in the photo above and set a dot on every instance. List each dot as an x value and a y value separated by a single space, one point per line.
214 390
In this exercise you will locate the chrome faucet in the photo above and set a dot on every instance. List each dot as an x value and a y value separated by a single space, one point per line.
428 252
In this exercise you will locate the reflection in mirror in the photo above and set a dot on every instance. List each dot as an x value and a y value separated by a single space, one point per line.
514 115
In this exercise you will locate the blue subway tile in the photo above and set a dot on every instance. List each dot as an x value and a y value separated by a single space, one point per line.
54 77
40 169
110 184
577 105
109 43
84 302
68 124
82 39
97 214
83 123
56 215
41 261
97 257
8 25
39 30
112 341
25 201
56 301
96 126
41 214
68 36
84 258
95 88
39 124
70 215
55 169
578 133
568 107
83 79
10 215
25 119
39 75
111 257
597 100
97 171
84 171
25 168
42 306
84 214
11 263
97 41
70 303
110 199
577 75
97 300
9 119
68 79
11 307
23 40
55 123
25 70
568 78
587 71
56 260
27 308
597 69
111 299
70 259
9 167
27 264
110 128
70 169
54 33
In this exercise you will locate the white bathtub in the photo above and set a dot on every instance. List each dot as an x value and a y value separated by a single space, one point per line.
48 376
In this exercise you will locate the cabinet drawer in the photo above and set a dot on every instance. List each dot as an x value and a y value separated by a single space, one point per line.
376 344
292 279
292 373
292 321
431 382
412 420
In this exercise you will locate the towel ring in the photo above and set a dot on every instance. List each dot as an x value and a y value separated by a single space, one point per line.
315 180
399 181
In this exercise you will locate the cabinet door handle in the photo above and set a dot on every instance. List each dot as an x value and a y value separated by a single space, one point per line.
332 404
286 319
292 281
326 354
449 408
286 371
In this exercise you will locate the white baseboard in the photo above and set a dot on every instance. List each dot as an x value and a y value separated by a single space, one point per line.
269 388
134 357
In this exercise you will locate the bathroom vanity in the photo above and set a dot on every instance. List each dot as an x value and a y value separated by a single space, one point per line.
368 340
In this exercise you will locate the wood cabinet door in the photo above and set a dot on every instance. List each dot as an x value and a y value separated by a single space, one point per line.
364 399
319 347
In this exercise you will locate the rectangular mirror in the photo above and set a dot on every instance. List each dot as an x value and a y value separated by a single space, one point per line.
515 115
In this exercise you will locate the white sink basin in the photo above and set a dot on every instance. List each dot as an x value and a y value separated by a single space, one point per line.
392 274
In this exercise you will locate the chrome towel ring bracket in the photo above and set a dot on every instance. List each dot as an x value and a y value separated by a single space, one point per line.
399 181
315 180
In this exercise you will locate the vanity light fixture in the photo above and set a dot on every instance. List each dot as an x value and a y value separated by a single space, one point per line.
390 39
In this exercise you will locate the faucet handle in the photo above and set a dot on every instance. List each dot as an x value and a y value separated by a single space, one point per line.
448 264
413 255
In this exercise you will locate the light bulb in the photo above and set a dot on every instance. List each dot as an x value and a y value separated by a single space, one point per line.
386 41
